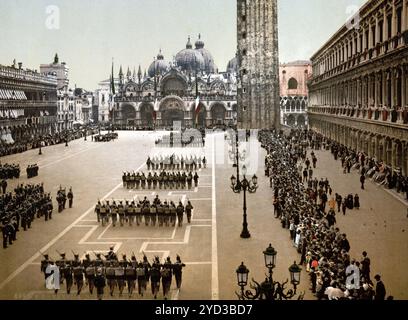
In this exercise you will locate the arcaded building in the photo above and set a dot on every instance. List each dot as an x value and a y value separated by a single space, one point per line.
294 93
358 92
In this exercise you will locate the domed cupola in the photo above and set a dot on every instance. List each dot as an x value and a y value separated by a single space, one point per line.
159 66
209 65
190 59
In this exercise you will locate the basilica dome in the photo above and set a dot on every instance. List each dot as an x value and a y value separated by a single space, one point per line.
159 66
190 59
209 65
233 65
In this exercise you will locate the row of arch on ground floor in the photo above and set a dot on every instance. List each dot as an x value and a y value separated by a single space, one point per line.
294 119
393 152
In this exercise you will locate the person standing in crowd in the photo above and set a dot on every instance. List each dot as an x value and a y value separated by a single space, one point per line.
70 197
365 267
4 185
362 180
380 291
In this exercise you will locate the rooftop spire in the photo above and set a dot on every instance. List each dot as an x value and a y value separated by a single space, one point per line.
189 45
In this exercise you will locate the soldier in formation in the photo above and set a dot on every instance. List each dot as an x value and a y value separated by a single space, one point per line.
9 171
107 270
32 171
19 209
163 180
61 199
151 213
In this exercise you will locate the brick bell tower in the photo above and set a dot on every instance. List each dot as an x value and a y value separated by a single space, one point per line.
258 64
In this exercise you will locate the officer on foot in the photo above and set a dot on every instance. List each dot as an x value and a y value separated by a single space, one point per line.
70 197
178 270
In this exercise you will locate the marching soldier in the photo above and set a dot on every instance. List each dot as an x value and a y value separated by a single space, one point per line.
138 213
70 198
137 180
98 211
155 180
183 180
189 209
166 216
103 213
166 275
89 268
130 274
61 265
114 213
178 270
132 180
143 181
160 180
195 179
110 276
204 162
153 214
131 213
127 211
146 211
149 180
100 283
155 277
111 254
189 180
160 213
180 212
78 271
141 279
173 214
121 212
120 273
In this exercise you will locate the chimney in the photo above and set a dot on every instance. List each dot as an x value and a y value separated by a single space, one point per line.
20 65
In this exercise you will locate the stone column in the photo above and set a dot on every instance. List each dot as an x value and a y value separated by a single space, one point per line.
394 154
404 16
394 19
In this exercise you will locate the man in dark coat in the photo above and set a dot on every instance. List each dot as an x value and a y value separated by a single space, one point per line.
379 289
362 180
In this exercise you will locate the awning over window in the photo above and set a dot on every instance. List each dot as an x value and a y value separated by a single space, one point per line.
6 94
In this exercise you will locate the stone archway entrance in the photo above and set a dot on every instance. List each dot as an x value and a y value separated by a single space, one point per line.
146 115
172 111
128 114
218 112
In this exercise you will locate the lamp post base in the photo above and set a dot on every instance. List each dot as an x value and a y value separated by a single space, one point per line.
245 234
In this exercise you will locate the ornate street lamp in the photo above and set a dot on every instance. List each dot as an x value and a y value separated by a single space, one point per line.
269 289
244 185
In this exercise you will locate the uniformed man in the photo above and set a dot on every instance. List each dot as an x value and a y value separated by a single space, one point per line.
78 271
110 276
189 180
111 254
98 211
141 279
153 214
121 212
90 272
70 197
155 180
149 180
44 263
180 212
173 214
166 275
160 213
146 211
189 208
137 180
114 213
195 178
103 214
166 214
178 270
120 273
138 213
143 181
155 277
130 274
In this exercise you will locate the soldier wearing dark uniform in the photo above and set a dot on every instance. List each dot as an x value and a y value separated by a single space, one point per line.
180 212
114 213
155 277
195 178
120 274
178 270
130 274
189 180
138 213
44 264
121 212
141 279
166 275
90 272
146 211
126 209
98 211
137 180
160 213
131 213
100 283
153 214
104 213
160 180
143 180
166 215
173 214
189 209
149 180
110 276
183 180
155 180
70 198
111 255
78 271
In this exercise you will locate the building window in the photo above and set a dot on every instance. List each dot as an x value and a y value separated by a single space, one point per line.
292 84
389 24
399 19
244 35
381 26
244 52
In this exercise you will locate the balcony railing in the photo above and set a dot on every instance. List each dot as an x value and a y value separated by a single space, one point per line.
381 114
24 104
152 99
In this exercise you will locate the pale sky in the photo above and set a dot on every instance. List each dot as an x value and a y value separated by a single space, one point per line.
91 32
